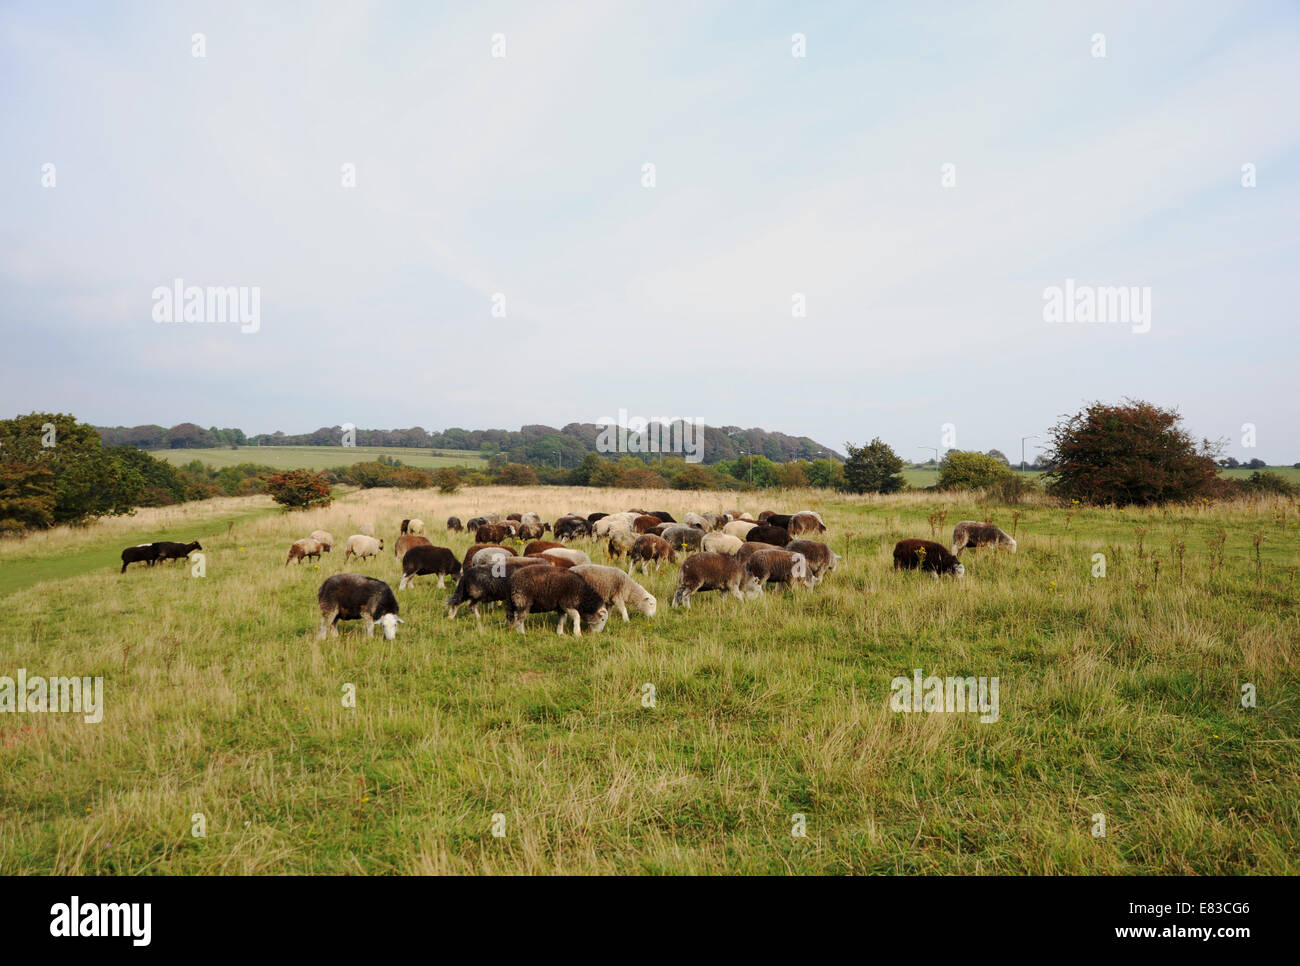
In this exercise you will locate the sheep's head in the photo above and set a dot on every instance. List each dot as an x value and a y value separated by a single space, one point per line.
596 621
389 623
751 587
958 570
381 543
648 604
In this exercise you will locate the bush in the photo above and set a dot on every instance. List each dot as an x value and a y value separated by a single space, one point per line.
299 489
516 474
694 477
962 470
1269 482
446 480
874 468
1014 488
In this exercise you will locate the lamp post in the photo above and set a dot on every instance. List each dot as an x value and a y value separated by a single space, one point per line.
936 453
1022 449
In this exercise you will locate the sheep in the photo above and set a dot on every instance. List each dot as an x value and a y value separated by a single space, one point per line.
659 530
715 521
714 571
402 529
493 533
454 524
695 520
721 543
593 517
934 558
608 524
970 533
739 515
475 522
821 558
765 516
618 589
621 542
780 567
778 520
467 561
425 559
532 531
359 546
406 542
515 516
739 528
415 527
324 538
570 528
683 537
485 556
530 518
663 515
306 547
146 553
776 536
366 529
490 584
805 522
646 523
750 547
577 556
514 526
542 590
649 547
167 550
347 597
537 546
563 563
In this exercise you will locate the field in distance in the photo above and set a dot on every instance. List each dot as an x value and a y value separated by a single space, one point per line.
320 457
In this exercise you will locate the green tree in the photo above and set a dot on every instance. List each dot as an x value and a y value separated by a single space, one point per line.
447 480
874 468
964 470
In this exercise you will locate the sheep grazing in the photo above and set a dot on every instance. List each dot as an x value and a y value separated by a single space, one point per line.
714 571
475 522
766 515
490 584
454 524
683 536
779 520
424 559
360 546
488 554
415 527
562 563
537 546
805 522
780 567
571 528
663 515
406 542
405 524
349 597
532 531
621 543
366 529
715 521
649 547
646 523
324 538
659 530
514 526
913 554
468 560
721 543
493 533
739 528
306 547
970 533
821 558
168 550
145 553
695 520
750 547
515 516
576 557
546 590
617 589
530 518
593 517
763 533
608 524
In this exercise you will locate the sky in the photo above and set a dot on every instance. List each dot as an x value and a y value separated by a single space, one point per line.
519 183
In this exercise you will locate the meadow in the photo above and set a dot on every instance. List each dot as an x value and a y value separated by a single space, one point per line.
320 457
1120 696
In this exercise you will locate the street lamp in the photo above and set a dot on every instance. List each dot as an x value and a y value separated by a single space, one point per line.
936 452
1022 449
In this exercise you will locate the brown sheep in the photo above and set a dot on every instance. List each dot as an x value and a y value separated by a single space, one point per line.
547 590
306 547
468 560
934 558
494 533
749 547
779 567
649 547
537 546
714 571
406 542
802 523
421 560
644 524
621 543
821 558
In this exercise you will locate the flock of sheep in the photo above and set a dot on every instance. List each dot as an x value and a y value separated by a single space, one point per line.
728 551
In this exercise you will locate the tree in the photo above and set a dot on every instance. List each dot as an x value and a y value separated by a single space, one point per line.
1135 453
962 470
446 480
694 477
299 489
997 454
874 468
517 474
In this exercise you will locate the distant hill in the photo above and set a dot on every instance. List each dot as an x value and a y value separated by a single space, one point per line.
534 444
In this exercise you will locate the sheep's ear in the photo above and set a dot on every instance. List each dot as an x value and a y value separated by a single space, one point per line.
400 621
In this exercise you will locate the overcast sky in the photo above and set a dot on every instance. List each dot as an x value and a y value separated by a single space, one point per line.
774 175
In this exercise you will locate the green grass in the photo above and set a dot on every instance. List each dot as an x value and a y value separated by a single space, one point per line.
319 457
1119 695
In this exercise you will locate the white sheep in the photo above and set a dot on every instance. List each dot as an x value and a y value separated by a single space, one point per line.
739 528
697 521
325 538
617 588
360 545
615 521
721 543
577 556
415 528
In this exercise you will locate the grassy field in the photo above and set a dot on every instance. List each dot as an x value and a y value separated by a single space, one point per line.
1119 696
318 457
920 478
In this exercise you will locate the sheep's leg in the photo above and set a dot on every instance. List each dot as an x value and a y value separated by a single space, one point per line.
622 609
370 625
325 624
402 584
559 628
577 623
441 578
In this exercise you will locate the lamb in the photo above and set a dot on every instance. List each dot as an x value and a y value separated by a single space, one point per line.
646 523
306 547
542 590
618 589
913 554
366 529
324 538
415 527
406 542
537 546
146 553
621 543
683 537
454 524
649 547
467 562
714 571
346 597
489 584
739 528
780 567
425 559
576 556
970 533
805 522
763 533
821 558
360 546
721 543
167 550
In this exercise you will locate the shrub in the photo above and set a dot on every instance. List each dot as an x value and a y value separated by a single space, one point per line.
446 480
516 474
874 468
1267 481
961 470
299 489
